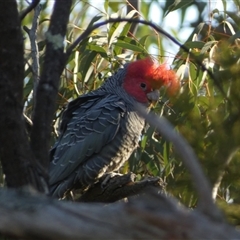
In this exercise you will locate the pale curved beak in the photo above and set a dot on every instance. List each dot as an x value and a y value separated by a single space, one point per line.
153 96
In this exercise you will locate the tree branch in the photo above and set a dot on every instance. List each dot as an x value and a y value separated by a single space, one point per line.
49 81
24 13
119 187
205 203
32 33
151 216
19 165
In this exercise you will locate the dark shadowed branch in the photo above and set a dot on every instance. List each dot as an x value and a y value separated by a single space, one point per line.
119 187
31 6
49 81
86 33
19 165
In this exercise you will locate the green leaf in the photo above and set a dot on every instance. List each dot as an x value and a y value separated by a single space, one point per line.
28 88
97 49
143 40
178 4
128 46
86 63
207 46
120 27
144 141
194 44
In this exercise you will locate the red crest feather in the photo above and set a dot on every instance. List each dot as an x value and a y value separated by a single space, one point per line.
157 75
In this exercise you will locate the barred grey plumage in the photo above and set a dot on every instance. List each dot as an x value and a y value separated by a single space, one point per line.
99 131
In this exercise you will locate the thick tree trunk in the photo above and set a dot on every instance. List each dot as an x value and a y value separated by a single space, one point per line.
18 162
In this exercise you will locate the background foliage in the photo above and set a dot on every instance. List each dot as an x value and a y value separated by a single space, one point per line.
206 111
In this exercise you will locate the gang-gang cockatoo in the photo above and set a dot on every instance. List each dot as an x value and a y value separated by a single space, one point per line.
100 130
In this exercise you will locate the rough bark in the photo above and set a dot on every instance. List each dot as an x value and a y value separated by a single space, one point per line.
151 216
19 165
47 89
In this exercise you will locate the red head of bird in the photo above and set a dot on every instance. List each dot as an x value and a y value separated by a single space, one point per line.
145 76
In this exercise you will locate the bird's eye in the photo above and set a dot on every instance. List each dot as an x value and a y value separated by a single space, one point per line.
143 86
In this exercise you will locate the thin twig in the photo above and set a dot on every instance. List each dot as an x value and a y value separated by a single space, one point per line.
133 5
32 33
189 158
29 9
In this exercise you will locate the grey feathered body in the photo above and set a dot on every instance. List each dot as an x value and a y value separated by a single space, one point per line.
99 131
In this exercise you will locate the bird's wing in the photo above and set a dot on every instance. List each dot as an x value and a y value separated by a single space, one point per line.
92 126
